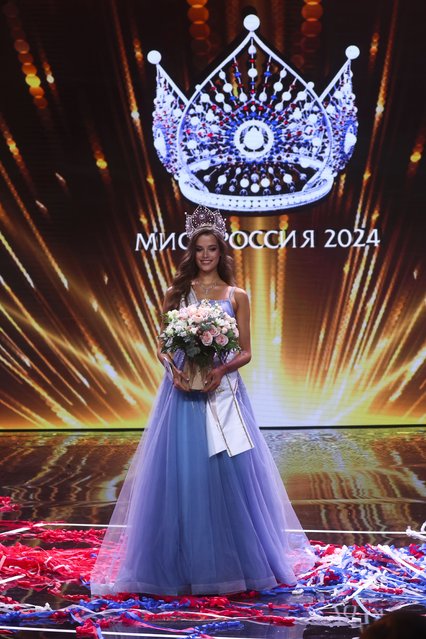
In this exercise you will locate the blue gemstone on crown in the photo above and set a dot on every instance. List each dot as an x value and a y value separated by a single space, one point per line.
254 136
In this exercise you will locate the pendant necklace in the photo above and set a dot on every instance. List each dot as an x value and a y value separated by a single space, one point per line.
207 288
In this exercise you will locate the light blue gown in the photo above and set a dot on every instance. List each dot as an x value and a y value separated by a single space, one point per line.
187 523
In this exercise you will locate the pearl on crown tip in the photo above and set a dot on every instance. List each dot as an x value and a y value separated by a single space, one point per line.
352 52
251 22
154 57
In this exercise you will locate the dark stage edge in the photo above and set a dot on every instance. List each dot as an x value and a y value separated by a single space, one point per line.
345 479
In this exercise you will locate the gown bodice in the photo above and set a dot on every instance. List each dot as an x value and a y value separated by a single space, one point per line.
225 303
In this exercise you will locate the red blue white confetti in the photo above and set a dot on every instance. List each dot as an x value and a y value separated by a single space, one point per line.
374 579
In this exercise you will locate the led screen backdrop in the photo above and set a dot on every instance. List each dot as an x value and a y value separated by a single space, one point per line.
91 222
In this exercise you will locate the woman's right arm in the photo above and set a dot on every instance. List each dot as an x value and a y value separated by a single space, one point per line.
166 307
180 380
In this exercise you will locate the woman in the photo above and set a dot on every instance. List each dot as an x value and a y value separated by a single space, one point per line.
199 517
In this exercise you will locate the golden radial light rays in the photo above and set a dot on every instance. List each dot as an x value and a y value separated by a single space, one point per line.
88 373
16 259
16 154
78 346
360 358
379 130
19 201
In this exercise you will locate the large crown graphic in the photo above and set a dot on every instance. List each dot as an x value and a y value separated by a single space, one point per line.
254 136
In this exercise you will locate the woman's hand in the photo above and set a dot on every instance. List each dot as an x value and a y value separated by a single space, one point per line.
180 380
213 379
178 377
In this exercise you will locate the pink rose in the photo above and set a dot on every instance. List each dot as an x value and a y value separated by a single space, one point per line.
221 339
197 318
206 338
214 331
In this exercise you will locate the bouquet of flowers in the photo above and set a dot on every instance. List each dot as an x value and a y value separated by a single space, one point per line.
201 331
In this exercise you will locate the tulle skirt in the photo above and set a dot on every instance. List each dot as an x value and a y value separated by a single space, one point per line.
187 523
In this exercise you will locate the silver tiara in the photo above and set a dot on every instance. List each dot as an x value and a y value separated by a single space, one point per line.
203 218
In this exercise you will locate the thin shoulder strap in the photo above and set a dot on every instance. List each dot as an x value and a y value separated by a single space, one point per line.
192 298
231 293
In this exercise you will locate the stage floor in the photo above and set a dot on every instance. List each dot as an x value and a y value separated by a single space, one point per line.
348 486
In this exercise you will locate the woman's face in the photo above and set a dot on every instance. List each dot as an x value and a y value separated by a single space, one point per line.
207 253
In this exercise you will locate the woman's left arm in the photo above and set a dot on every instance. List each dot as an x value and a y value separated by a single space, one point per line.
242 315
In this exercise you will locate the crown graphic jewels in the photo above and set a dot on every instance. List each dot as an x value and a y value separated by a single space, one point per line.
254 136
204 219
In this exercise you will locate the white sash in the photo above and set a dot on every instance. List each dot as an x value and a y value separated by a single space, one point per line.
225 425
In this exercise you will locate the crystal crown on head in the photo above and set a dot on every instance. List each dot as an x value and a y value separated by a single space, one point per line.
203 219
254 136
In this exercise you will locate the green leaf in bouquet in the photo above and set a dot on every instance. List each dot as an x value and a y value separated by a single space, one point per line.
192 351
